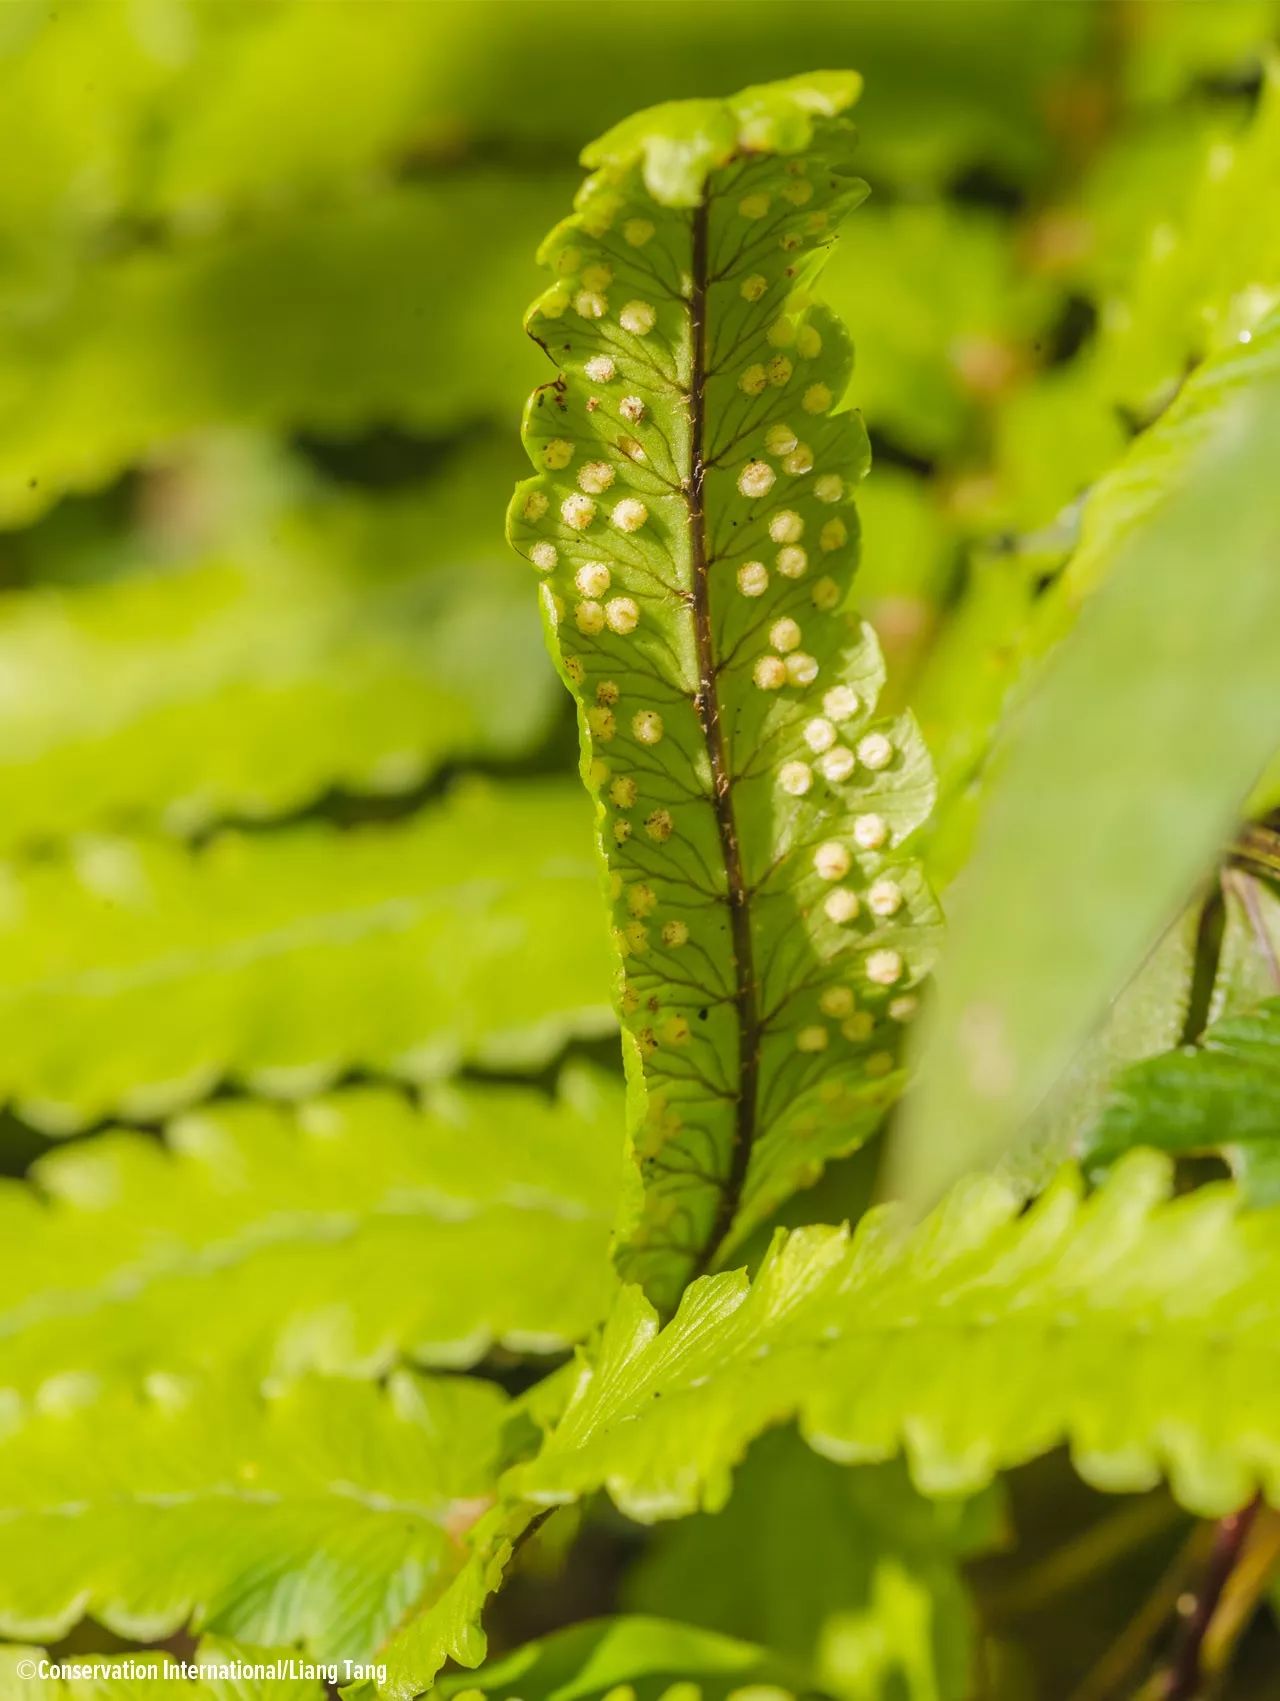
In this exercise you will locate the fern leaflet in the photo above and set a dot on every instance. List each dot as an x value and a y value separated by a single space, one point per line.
1143 1331
692 517
136 975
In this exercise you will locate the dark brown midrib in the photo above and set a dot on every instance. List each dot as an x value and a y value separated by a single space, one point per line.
707 708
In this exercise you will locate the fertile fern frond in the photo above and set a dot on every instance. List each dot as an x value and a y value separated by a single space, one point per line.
339 1236
359 645
314 1514
1143 1331
135 975
693 521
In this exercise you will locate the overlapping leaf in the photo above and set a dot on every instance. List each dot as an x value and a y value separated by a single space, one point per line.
1142 1332
136 975
305 321
341 1235
1122 771
318 1514
357 645
693 521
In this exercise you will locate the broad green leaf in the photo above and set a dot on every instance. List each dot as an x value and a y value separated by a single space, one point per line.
342 1235
693 523
132 1676
1222 1095
136 975
348 643
1119 775
1137 1329
302 321
654 1658
851 1574
315 1514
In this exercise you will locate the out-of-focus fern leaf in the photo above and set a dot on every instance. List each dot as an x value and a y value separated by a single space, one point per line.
1137 1329
339 1236
850 1574
655 1659
1209 270
354 643
1222 1095
449 1626
126 1677
945 323
694 525
135 975
316 1514
171 105
1122 770
305 321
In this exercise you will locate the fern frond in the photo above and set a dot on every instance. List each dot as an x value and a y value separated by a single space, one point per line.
315 1514
1248 968
340 1236
204 335
1139 1330
693 521
137 975
359 644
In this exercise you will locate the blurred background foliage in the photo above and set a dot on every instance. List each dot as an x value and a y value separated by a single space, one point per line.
266 665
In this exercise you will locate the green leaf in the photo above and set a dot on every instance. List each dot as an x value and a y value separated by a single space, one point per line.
1120 773
119 1677
341 1236
693 523
1193 275
1222 1095
1139 1330
316 1514
851 1574
136 975
223 332
449 1627
350 643
651 1657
